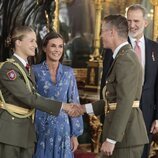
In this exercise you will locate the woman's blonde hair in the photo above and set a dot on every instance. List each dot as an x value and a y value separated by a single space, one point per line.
18 34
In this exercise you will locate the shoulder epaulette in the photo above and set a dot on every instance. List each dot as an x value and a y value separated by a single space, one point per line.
8 60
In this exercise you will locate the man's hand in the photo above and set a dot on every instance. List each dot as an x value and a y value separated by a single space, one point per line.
72 109
107 148
154 127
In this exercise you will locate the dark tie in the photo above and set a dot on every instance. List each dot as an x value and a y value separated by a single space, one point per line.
27 67
137 50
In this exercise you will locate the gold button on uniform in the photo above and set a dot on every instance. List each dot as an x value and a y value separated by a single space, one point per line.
13 118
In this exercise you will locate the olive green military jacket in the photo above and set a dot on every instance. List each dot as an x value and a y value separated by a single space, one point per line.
16 131
125 125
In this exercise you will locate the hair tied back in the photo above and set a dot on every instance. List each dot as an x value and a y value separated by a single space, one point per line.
8 41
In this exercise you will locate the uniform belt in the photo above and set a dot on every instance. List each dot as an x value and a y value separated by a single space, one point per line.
15 108
112 106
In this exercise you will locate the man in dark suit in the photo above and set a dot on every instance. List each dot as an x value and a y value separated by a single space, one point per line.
18 98
124 131
137 21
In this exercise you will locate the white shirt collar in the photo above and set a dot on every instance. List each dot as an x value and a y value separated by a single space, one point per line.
134 39
118 48
21 59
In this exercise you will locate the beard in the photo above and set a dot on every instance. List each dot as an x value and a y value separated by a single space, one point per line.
138 34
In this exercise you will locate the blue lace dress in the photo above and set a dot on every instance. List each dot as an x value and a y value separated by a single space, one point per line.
54 132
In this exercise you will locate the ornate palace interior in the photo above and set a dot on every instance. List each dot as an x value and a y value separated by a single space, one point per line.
79 22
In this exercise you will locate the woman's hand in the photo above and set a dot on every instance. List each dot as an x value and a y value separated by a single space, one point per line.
74 143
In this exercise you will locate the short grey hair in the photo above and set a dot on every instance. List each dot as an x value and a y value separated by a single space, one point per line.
138 7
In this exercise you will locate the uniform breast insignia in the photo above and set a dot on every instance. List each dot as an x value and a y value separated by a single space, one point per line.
123 52
11 75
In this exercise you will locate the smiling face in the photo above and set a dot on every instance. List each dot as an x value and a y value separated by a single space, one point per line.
54 49
136 23
26 46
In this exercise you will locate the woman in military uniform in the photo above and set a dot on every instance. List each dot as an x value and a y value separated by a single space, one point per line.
18 98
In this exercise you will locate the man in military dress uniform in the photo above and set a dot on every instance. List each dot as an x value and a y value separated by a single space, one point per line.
124 132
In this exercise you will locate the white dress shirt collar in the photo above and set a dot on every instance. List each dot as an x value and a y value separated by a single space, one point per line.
142 47
21 59
118 48
132 40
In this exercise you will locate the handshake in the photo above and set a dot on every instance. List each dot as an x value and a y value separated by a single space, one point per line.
74 110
